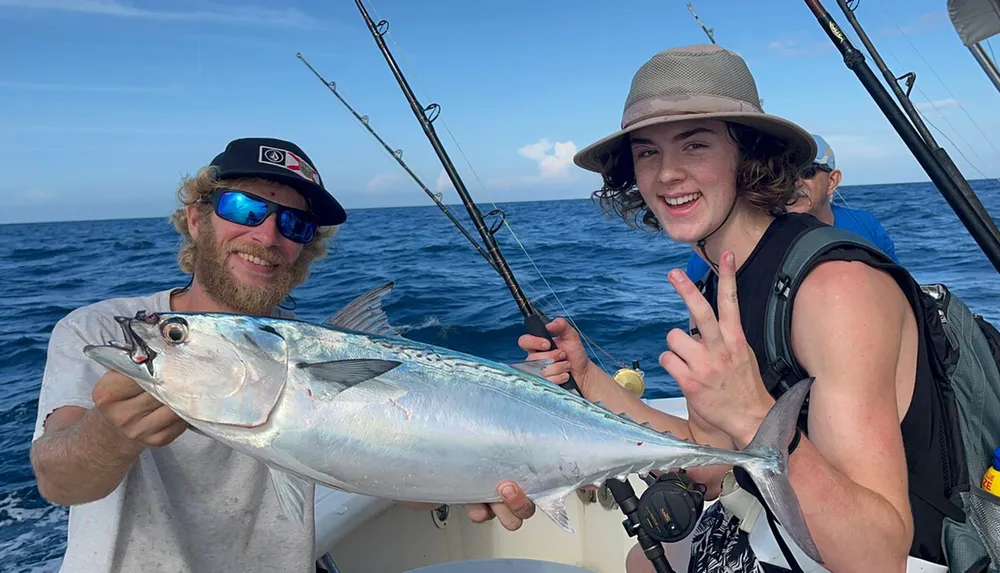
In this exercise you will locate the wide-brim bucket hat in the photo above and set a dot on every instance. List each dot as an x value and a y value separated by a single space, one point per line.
702 81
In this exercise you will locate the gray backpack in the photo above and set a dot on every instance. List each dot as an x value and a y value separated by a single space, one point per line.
965 352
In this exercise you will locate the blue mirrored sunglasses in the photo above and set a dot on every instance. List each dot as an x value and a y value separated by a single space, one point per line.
248 209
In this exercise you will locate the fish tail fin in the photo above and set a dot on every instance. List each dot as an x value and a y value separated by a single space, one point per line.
771 443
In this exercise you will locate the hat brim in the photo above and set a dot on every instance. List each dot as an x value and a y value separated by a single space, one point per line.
802 144
327 210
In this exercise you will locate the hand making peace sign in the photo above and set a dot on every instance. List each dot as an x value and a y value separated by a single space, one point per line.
718 372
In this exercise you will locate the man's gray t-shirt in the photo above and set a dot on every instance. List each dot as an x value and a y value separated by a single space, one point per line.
194 505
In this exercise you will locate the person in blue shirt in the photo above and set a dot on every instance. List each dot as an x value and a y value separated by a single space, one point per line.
817 185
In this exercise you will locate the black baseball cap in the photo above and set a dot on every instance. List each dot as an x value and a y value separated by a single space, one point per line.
283 162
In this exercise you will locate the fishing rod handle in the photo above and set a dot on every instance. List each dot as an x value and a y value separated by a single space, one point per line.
624 495
536 327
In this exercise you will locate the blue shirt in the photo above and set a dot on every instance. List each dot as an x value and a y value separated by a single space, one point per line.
861 223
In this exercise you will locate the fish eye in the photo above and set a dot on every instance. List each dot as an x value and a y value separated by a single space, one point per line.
174 330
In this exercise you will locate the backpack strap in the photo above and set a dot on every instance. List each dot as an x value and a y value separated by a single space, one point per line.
782 369
806 248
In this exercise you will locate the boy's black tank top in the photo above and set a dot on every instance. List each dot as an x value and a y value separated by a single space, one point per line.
924 436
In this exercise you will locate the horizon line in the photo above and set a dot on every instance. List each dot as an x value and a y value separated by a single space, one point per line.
431 204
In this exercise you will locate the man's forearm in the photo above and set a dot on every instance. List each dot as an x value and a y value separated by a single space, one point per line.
82 462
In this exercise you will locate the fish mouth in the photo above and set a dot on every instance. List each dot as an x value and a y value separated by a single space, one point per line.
138 351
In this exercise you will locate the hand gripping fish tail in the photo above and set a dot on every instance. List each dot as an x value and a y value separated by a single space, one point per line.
773 438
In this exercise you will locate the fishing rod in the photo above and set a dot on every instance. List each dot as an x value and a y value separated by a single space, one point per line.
904 100
631 378
398 156
708 31
637 511
533 320
983 232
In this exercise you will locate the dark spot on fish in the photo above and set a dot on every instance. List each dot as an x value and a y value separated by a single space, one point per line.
309 391
639 443
271 330
251 341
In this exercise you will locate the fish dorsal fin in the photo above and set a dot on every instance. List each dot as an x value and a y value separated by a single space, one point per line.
533 367
365 313
348 373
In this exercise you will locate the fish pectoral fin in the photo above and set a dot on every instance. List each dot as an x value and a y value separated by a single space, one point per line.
349 373
292 492
553 504
533 367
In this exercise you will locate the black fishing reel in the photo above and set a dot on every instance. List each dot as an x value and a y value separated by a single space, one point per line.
666 513
670 506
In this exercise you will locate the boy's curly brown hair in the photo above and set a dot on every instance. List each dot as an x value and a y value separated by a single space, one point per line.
765 177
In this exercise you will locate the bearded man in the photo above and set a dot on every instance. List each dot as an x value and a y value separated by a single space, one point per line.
144 493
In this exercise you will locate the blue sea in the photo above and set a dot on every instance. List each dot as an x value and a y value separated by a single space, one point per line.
610 279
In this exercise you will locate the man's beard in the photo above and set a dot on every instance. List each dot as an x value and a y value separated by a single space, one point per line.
213 273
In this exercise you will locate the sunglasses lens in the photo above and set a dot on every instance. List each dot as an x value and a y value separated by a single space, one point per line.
296 228
238 208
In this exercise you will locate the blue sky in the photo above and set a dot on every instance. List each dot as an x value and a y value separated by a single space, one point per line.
105 104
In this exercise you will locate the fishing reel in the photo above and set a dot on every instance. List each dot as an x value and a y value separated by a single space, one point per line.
632 379
665 513
670 506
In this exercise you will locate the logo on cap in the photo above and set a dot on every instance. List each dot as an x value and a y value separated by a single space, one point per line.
288 160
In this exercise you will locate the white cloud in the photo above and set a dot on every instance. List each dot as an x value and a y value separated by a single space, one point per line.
861 148
251 15
554 159
792 47
33 197
923 23
443 182
93 88
941 104
383 181
111 129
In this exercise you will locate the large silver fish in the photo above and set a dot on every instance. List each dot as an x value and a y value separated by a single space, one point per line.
352 405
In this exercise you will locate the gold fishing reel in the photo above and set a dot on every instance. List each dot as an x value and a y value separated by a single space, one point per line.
632 379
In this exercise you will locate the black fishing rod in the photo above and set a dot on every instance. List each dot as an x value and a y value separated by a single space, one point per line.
533 320
398 156
708 31
982 231
918 122
637 511
436 197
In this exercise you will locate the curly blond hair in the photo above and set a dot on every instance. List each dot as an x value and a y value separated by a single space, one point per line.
196 188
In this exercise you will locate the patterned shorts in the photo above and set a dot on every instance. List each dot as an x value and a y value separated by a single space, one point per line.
719 545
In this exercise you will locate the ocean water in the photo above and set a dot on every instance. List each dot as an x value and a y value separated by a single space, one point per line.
609 278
